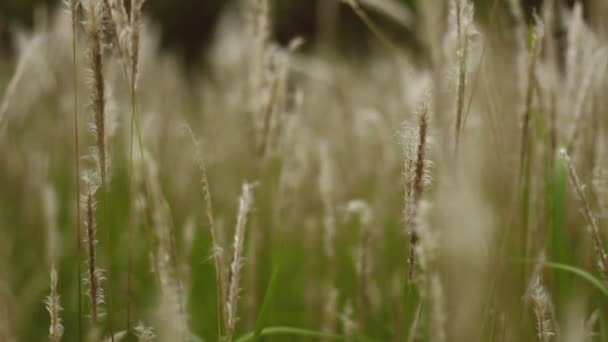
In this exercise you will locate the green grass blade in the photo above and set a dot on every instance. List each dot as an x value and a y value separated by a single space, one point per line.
581 273
556 198
597 283
290 331
263 315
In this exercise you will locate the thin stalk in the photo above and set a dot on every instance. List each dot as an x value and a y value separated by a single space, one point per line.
130 228
106 226
73 8
593 227
217 248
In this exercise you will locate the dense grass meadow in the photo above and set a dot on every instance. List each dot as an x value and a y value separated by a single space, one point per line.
451 190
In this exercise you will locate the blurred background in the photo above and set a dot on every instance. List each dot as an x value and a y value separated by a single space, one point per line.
187 26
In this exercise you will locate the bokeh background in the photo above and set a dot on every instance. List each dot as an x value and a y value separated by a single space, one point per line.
187 26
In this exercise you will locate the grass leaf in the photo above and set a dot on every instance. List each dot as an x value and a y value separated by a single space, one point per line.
290 331
581 273
263 315
556 199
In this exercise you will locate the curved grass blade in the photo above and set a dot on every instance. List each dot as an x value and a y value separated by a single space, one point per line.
598 284
290 331
263 315
581 273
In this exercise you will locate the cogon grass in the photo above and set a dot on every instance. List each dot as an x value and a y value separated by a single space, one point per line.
93 27
367 169
417 176
593 227
53 306
217 250
94 275
540 300
245 207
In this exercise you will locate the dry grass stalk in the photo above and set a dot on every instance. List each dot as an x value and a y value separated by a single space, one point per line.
541 302
93 27
594 230
245 207
416 177
54 308
94 276
217 252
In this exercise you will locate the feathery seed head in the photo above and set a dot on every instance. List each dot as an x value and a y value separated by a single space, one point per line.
541 302
94 275
54 308
245 207
144 333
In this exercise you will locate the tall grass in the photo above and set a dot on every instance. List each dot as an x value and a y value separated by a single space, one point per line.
431 195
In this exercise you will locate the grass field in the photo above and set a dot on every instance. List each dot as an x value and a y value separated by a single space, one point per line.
289 193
